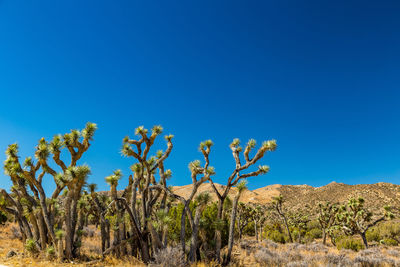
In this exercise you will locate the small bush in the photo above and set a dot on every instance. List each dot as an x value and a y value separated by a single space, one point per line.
270 244
275 236
337 260
316 247
170 257
266 257
373 235
373 260
393 252
389 242
51 252
350 243
30 246
313 234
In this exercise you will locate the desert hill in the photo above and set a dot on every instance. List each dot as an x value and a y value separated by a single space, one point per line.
298 196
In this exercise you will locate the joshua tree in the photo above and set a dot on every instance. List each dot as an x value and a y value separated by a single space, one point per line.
28 202
299 221
277 203
144 182
259 217
196 169
112 180
354 218
201 200
163 220
245 215
236 176
327 218
241 187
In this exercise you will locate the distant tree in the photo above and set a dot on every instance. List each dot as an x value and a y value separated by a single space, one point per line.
298 220
354 218
327 218
277 204
244 217
259 217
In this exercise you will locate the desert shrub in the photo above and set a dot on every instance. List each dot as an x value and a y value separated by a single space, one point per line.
393 252
248 244
389 230
295 246
270 244
51 252
275 236
337 260
349 243
316 247
265 257
249 229
389 242
373 260
30 246
313 234
292 256
370 252
373 235
170 257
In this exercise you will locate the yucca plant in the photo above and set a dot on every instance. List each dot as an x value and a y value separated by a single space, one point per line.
38 214
355 218
237 175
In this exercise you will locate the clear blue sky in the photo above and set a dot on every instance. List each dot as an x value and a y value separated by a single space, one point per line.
321 77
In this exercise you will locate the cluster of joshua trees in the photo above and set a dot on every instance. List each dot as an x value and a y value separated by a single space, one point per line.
133 221
137 220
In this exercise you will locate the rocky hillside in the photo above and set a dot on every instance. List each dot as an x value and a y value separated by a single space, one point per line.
298 196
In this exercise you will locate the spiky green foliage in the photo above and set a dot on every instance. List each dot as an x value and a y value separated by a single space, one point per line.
241 186
56 144
113 179
195 166
203 198
157 130
263 169
140 130
92 187
270 145
355 218
78 173
60 234
42 150
169 137
89 131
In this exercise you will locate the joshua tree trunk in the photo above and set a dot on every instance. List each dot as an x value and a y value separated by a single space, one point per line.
324 236
287 228
241 187
232 230
195 234
218 233
364 238
255 230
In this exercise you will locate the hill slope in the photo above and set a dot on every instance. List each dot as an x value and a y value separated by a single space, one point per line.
297 196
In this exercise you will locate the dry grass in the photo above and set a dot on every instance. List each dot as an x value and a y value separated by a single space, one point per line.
248 252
